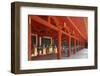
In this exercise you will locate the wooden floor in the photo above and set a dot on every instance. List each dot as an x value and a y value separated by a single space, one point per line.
82 54
78 55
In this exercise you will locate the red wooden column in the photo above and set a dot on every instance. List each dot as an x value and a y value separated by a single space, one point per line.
38 43
81 45
59 45
74 46
29 38
78 46
69 46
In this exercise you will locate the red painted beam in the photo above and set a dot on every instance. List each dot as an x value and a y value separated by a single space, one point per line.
55 19
75 27
79 21
45 23
66 27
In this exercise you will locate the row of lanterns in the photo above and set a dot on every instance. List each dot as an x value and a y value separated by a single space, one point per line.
44 51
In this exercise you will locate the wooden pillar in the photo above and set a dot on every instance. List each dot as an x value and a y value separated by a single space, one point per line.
38 44
29 38
78 46
59 45
39 40
74 46
69 46
81 45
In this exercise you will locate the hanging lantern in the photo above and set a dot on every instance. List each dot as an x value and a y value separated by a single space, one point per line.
40 52
44 51
55 50
50 50
35 53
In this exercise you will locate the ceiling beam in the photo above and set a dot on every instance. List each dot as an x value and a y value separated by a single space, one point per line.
73 24
47 24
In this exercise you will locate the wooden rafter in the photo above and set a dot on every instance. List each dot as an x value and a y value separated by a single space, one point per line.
49 25
75 27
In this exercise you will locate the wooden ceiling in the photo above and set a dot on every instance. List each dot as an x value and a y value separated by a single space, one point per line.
73 24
